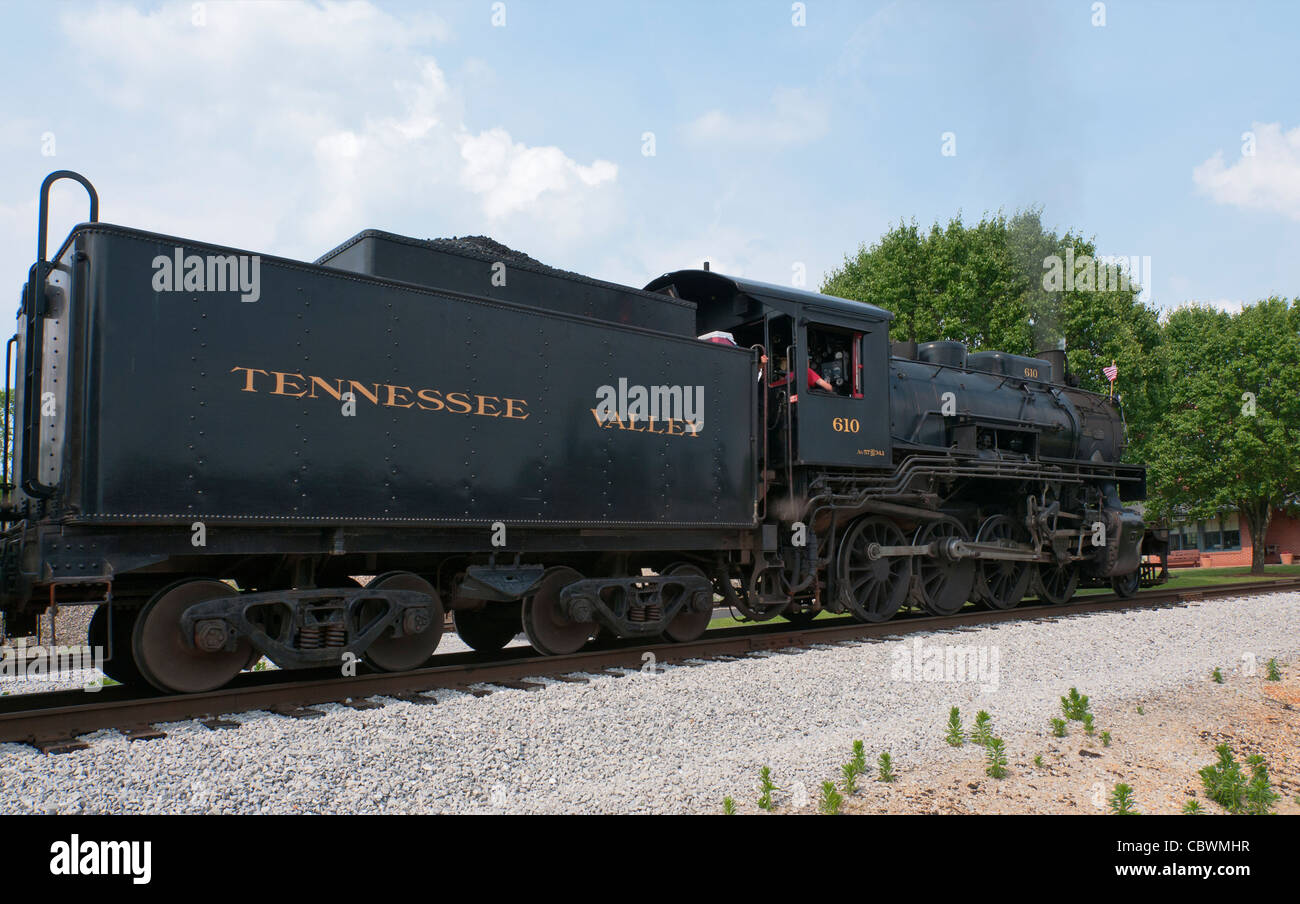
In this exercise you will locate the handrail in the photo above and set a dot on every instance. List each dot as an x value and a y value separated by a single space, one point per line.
5 484
44 214
34 311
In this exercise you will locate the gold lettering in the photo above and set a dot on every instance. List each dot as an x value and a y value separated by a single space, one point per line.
482 406
433 397
248 384
336 390
360 387
392 396
282 381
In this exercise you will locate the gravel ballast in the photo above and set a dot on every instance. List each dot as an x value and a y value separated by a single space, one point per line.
677 739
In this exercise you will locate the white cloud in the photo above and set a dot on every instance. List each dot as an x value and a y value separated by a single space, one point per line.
792 118
286 127
510 177
1269 180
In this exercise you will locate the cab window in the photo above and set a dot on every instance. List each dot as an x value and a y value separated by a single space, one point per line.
834 354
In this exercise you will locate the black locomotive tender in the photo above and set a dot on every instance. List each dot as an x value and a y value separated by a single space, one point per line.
194 465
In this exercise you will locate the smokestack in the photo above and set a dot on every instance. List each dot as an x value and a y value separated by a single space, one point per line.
1055 357
904 348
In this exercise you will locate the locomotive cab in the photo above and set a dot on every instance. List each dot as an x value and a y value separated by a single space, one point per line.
843 343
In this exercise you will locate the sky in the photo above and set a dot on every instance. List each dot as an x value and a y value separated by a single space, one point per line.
627 139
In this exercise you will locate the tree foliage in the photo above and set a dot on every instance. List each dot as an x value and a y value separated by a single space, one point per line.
990 286
1230 438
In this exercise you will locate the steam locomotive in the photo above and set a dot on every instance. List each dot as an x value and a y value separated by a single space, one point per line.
210 444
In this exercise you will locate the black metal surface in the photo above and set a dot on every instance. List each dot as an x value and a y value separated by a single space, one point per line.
1015 415
481 267
199 407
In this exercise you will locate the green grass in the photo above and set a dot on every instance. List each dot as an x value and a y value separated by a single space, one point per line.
728 622
1179 579
1187 578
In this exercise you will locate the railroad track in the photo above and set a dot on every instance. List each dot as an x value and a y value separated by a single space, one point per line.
53 721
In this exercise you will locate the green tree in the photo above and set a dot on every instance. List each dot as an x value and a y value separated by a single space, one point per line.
992 286
1230 438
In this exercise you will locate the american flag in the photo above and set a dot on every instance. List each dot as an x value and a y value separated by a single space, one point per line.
1111 372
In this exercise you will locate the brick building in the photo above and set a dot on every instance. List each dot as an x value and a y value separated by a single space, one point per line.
1226 541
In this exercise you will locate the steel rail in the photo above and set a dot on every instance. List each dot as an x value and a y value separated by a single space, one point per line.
52 721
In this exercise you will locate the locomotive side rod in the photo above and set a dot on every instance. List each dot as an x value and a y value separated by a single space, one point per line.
953 548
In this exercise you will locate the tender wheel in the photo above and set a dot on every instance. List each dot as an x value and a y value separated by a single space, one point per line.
688 624
1126 586
121 668
161 654
399 654
943 585
1002 583
1056 582
874 588
487 629
548 631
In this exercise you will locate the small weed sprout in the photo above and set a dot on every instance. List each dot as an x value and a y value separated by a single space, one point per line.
850 772
1260 795
1058 728
831 801
766 788
728 807
1192 808
996 756
1121 801
859 760
1038 761
1074 705
1087 724
1105 739
1224 782
983 728
956 735
886 767
1274 673
1217 675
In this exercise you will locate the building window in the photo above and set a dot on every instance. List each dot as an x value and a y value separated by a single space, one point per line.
1184 536
1220 534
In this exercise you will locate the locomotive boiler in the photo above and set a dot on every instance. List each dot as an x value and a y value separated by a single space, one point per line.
317 467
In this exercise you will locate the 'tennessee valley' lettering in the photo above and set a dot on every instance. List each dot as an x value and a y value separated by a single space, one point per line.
388 395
